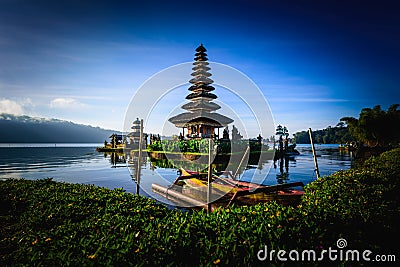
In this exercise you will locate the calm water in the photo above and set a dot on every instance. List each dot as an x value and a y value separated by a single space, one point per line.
80 163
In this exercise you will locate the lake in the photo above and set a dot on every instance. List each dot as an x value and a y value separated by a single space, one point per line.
81 163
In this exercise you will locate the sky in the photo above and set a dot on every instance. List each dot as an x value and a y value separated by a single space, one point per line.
83 61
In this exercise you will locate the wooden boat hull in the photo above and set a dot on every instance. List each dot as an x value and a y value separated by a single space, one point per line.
227 191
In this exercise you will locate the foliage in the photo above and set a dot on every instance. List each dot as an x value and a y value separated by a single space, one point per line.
196 146
201 146
236 136
376 127
47 223
282 131
355 201
329 135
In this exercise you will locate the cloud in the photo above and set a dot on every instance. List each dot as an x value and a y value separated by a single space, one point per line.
11 107
66 103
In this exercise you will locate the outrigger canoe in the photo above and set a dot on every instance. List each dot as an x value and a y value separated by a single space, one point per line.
225 191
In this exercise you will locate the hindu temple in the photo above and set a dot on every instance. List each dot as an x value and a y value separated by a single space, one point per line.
200 119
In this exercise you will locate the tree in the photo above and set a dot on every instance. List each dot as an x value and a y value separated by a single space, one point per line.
225 134
341 124
236 134
376 127
282 131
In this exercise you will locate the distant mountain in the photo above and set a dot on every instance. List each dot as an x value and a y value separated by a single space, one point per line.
25 129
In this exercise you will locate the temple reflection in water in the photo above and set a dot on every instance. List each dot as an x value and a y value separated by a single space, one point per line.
135 164
283 175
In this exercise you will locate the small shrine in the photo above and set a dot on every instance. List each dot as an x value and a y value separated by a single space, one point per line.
134 136
200 120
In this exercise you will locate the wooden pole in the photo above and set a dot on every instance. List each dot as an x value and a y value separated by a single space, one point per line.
314 154
209 181
139 158
241 162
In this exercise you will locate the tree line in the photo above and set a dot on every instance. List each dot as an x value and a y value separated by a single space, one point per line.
375 127
331 135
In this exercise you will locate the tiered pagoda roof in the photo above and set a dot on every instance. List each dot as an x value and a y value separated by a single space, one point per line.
201 105
201 108
135 129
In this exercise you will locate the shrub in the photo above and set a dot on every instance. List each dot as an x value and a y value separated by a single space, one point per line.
201 146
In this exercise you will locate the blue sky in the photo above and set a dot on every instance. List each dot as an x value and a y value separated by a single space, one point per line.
314 61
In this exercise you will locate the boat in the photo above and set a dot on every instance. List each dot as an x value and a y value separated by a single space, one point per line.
191 187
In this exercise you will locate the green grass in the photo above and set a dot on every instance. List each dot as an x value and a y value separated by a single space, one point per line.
44 222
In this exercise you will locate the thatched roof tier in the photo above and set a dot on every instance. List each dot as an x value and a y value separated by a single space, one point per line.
200 63
201 72
133 134
136 125
201 58
195 95
201 80
204 68
201 48
207 88
200 54
200 117
201 105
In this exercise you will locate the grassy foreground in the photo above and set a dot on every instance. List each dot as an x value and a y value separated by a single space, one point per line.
48 223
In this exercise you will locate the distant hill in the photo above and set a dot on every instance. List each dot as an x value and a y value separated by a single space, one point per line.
25 129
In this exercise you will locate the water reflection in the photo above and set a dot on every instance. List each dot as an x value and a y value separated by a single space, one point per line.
146 170
131 160
16 160
221 163
85 165
283 175
345 154
115 158
136 161
158 165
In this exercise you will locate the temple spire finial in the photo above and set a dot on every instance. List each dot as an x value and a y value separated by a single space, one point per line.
201 48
